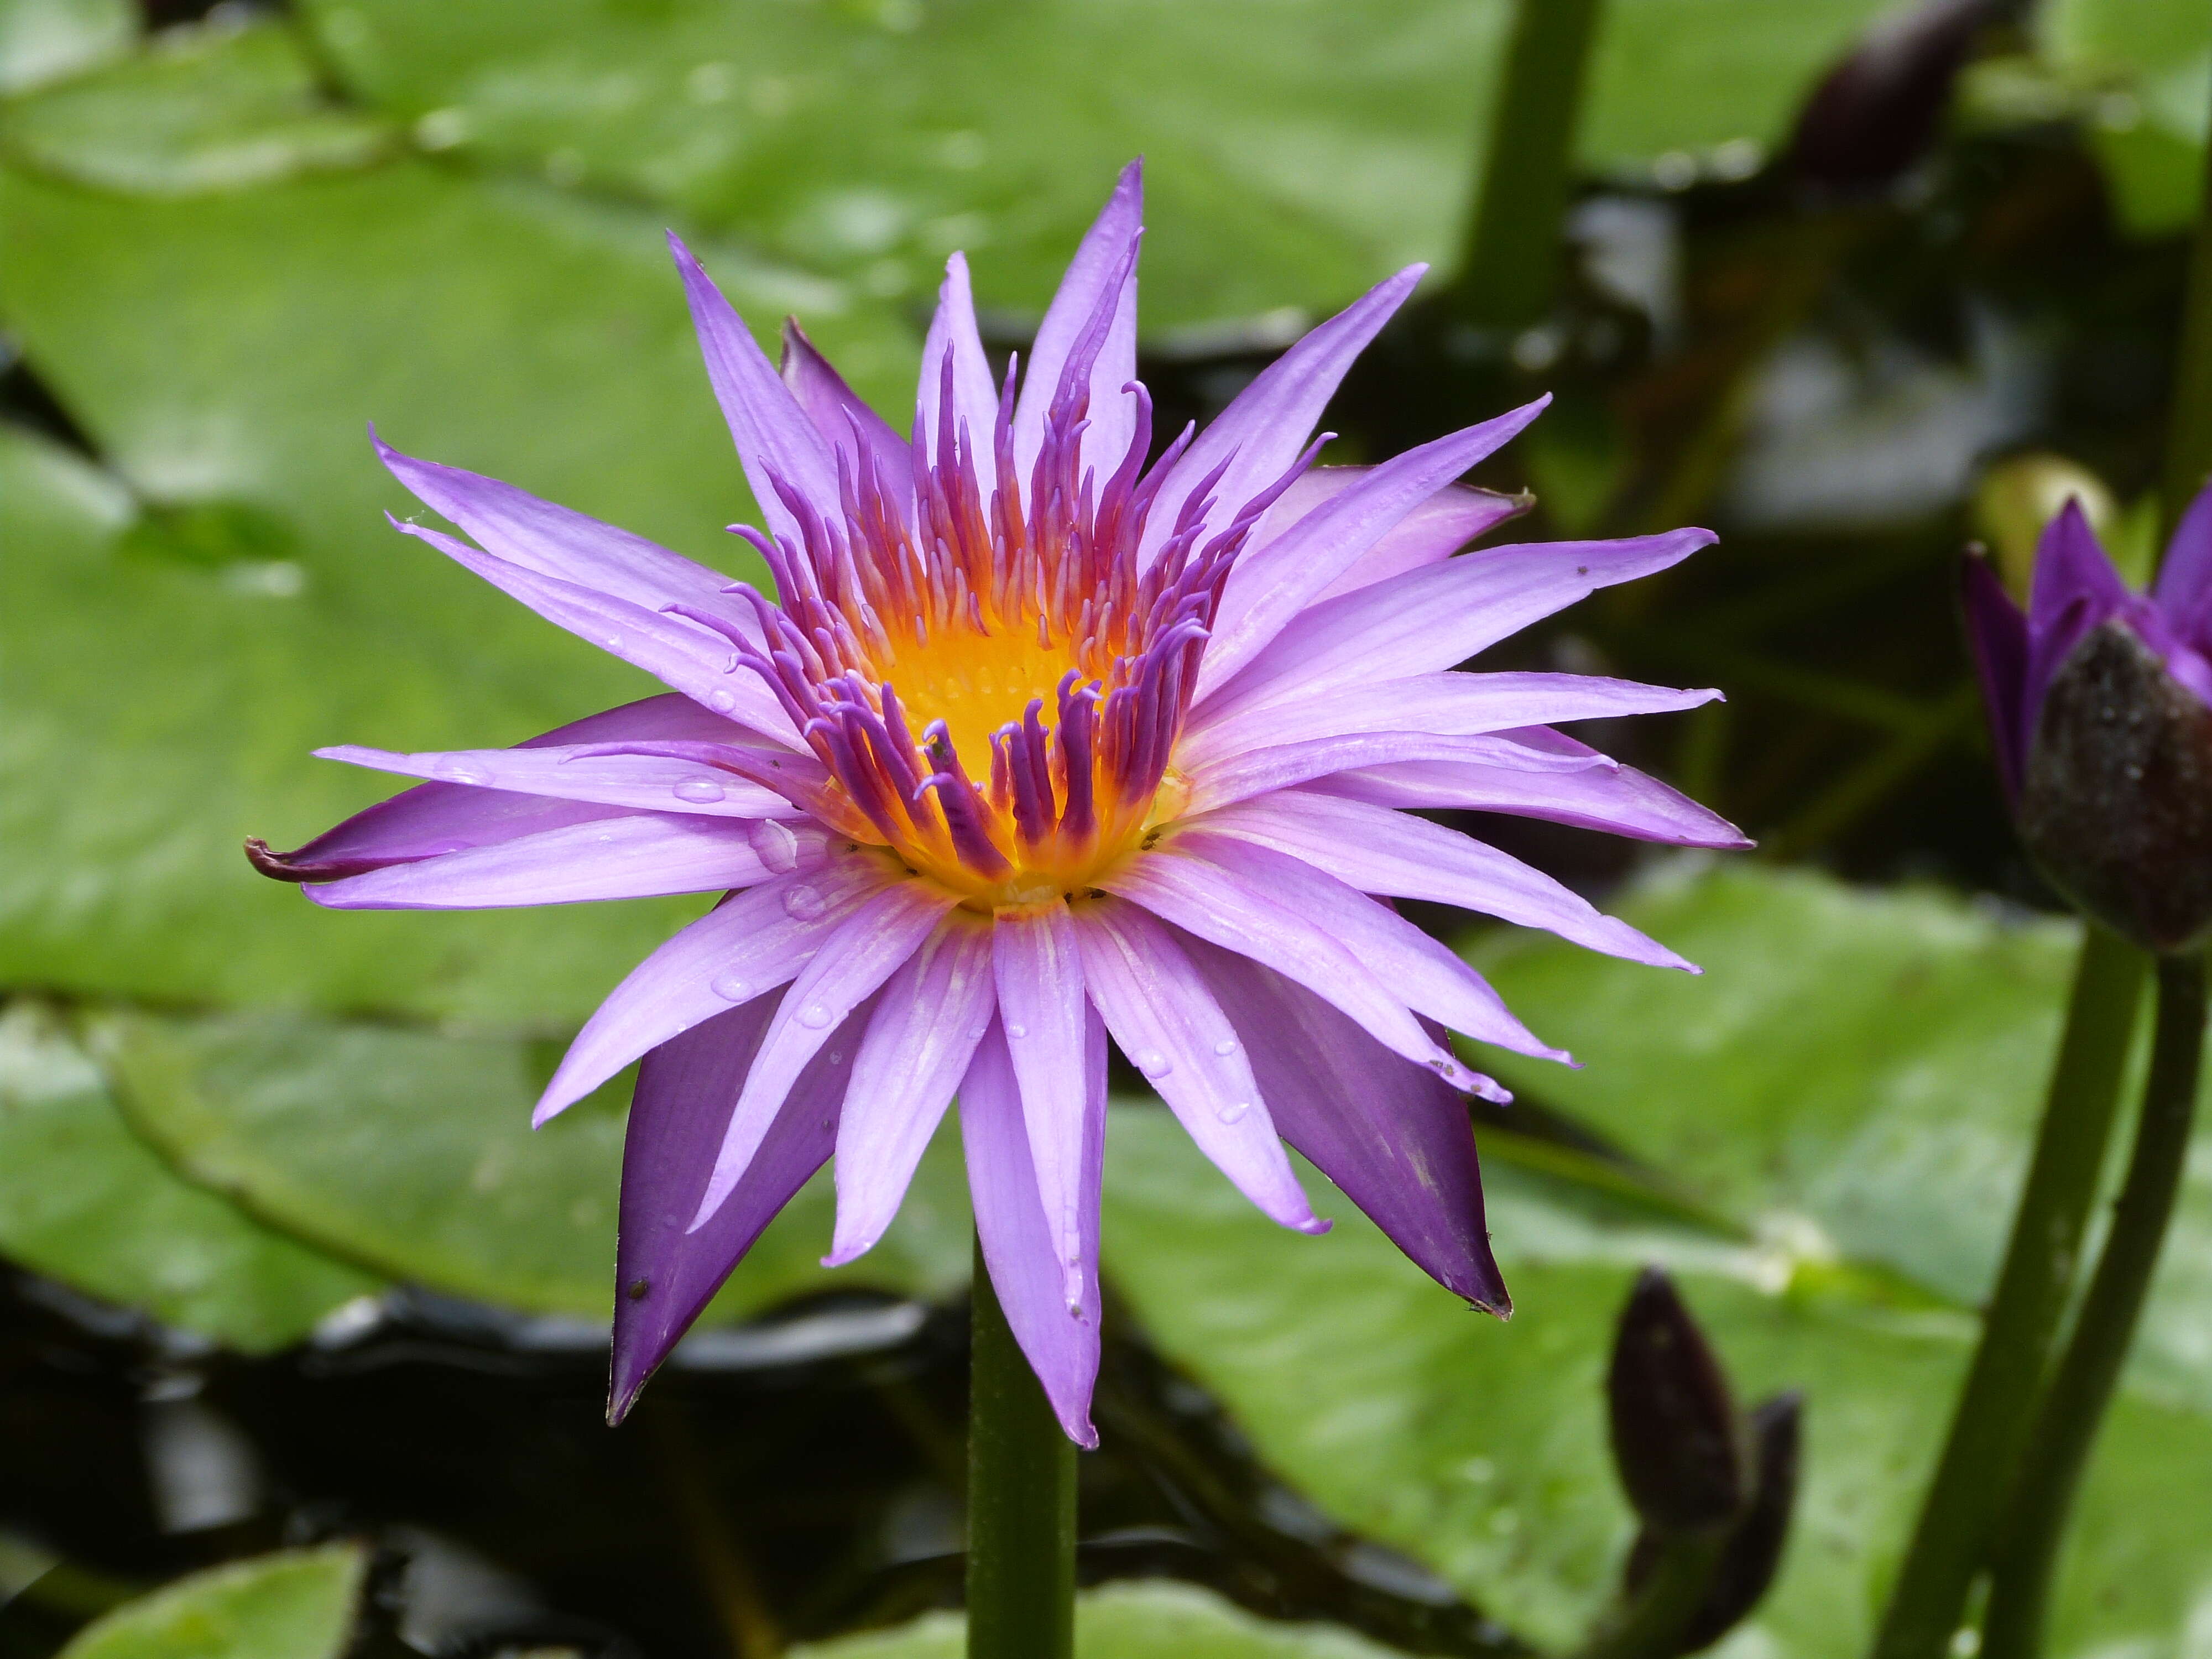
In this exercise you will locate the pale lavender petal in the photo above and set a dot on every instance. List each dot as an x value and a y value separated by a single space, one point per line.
740 949
512 525
1378 850
636 855
1099 261
446 817
928 1019
1268 423
1168 1024
1059 1337
1272 583
2183 588
953 334
1395 1140
1039 971
775 440
585 772
851 429
665 1276
1439 527
1619 801
868 947
1198 896
1438 617
1443 705
1426 976
1260 771
678 653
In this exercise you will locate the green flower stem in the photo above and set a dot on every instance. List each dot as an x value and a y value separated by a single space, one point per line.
2188 436
1021 1499
1990 1428
1649 1624
2066 1426
1511 258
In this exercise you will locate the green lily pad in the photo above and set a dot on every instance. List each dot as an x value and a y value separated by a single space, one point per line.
411 1152
2147 68
161 686
298 1605
1126 1621
83 1201
1866 1136
204 109
43 40
1297 150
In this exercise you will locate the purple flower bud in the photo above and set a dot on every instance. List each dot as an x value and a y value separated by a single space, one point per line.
1875 113
2100 711
1676 1440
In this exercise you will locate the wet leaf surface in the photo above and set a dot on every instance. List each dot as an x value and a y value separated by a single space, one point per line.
294 1606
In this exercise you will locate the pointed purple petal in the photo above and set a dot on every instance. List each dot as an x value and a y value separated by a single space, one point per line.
738 951
665 1276
1168 1024
632 856
1443 705
1430 534
1270 585
1998 633
1378 850
2075 589
930 1017
1198 896
846 422
1395 1140
1091 275
1039 971
1425 975
952 333
1059 1338
1438 617
2183 588
775 440
1268 423
1261 771
645 783
868 946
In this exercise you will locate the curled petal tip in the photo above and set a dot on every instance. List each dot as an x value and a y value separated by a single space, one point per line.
1313 1226
274 866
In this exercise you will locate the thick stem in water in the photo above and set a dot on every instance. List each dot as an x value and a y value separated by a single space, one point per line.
1021 1499
1989 1428
2066 1426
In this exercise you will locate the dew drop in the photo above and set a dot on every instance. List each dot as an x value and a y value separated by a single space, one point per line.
1018 1030
721 702
614 641
775 845
700 790
731 987
1234 1112
1226 1047
462 772
1153 1063
805 903
814 1016
836 1056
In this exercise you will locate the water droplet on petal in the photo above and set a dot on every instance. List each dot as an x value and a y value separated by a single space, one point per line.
1153 1063
614 641
1226 1047
721 701
836 1056
731 987
775 845
805 903
814 1016
700 790
1018 1030
1234 1112
462 772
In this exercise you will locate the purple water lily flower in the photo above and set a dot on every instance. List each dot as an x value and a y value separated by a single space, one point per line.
2100 701
1036 746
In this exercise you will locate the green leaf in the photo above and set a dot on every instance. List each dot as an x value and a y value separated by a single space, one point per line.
411 1152
202 109
1126 1621
224 354
1847 1090
1297 150
84 1202
297 1605
2147 65
43 40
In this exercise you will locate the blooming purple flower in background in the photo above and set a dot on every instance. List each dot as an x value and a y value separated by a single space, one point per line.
2100 701
1035 745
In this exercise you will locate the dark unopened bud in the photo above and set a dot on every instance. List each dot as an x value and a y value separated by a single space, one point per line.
2116 797
1875 113
1676 1440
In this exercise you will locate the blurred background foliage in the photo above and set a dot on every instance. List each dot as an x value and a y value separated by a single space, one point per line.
287 1266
